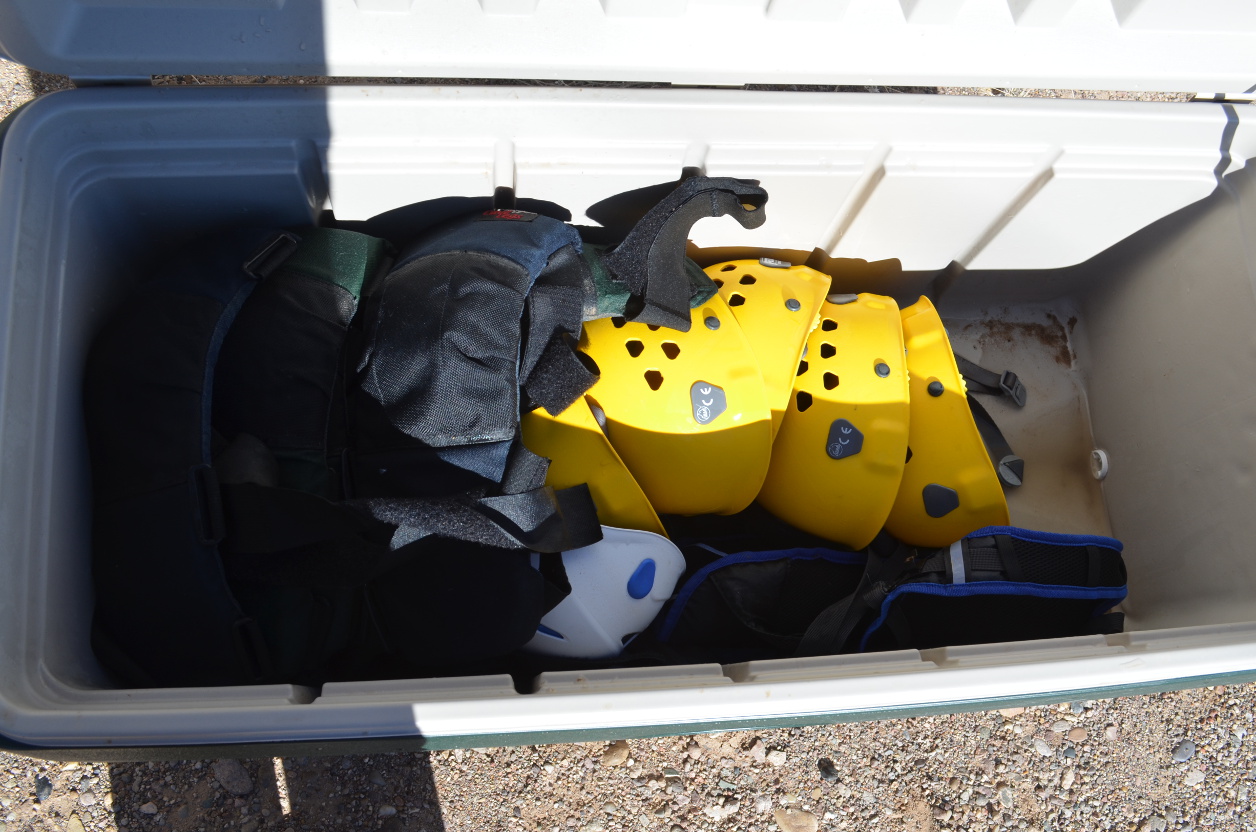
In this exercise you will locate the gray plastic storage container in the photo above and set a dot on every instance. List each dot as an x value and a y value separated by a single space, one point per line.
1100 248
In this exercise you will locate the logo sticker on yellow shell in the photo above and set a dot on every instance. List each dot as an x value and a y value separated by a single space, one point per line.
579 452
949 485
838 458
777 306
687 411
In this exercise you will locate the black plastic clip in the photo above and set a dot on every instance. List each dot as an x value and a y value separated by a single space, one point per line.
271 255
1014 388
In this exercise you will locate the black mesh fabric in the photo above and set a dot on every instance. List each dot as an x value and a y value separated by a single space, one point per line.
1047 564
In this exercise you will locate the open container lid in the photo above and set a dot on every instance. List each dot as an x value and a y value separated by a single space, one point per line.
1181 45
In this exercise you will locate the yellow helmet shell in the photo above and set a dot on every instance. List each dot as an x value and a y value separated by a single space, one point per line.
579 452
777 307
838 459
687 411
950 487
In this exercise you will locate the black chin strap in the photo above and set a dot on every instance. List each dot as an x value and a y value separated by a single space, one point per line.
1009 466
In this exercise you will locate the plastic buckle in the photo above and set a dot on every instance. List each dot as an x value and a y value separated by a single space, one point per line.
1014 388
271 255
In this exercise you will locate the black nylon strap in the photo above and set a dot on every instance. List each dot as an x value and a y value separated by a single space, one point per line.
980 380
832 629
1094 566
1107 624
1009 466
1011 563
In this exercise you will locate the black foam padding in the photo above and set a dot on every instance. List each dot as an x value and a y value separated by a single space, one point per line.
651 259
561 376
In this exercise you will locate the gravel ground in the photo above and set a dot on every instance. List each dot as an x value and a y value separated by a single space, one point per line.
1176 761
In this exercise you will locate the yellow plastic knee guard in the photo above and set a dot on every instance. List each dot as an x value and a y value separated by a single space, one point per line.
838 459
687 411
777 306
949 485
579 452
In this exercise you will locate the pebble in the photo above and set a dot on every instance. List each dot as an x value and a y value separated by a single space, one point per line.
719 812
1077 708
1183 751
43 788
149 808
1061 726
1041 746
763 804
1194 777
74 824
377 778
1008 713
694 751
387 811
1007 797
1066 781
828 771
1111 733
87 799
616 754
1070 753
250 826
758 751
776 758
233 776
984 732
595 826
1153 824
1078 735
795 820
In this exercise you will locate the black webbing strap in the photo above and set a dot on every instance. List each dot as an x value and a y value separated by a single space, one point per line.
1012 568
651 259
1009 466
980 380
1107 624
829 633
1094 567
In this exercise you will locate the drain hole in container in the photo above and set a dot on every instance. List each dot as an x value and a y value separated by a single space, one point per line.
654 378
804 400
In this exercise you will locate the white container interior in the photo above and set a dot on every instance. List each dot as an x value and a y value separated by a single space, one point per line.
1101 250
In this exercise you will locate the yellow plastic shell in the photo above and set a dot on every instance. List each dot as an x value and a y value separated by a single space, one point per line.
949 486
838 459
687 411
579 452
777 308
